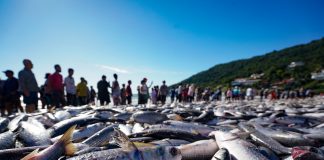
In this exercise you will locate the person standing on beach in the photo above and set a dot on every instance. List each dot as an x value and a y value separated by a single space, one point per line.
129 93
115 91
229 94
261 92
184 93
55 82
163 92
249 93
47 93
103 93
28 86
2 105
11 94
154 95
191 93
70 88
179 97
144 91
123 95
93 95
173 95
139 95
82 91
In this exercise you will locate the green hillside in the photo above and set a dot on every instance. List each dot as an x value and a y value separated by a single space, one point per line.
274 65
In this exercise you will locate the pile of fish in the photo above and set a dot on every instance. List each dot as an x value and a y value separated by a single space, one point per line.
242 130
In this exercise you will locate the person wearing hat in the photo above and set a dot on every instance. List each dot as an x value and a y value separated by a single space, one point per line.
28 86
103 93
11 94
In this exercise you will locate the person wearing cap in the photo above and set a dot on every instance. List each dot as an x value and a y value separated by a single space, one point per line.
82 91
11 94
28 86
70 88
103 93
163 92
55 81
115 91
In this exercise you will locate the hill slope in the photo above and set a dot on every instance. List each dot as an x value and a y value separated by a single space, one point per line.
273 65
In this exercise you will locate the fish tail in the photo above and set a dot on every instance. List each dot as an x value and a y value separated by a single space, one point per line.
70 149
31 155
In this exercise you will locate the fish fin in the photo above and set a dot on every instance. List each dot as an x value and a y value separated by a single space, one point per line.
243 135
31 155
122 140
195 132
82 128
51 109
141 144
70 149
66 139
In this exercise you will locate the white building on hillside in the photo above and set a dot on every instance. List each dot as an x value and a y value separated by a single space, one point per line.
318 76
295 64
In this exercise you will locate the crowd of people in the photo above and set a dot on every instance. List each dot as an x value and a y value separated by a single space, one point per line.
58 92
190 93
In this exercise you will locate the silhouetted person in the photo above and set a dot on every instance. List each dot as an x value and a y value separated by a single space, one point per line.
46 93
163 92
129 93
70 88
11 94
55 82
123 95
103 93
115 91
173 95
28 86
93 95
2 105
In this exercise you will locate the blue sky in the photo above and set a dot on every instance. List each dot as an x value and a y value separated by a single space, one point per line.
157 39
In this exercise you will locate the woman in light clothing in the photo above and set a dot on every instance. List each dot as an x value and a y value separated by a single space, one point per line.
115 91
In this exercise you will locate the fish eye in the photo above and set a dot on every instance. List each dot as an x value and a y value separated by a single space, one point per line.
173 151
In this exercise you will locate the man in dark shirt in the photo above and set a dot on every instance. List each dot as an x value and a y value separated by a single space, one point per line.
163 92
11 94
129 93
28 86
103 93
93 95
123 95
2 106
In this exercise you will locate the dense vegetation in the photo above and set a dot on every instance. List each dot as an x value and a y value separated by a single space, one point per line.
274 65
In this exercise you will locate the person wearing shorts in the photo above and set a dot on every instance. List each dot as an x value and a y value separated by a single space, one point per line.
28 86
